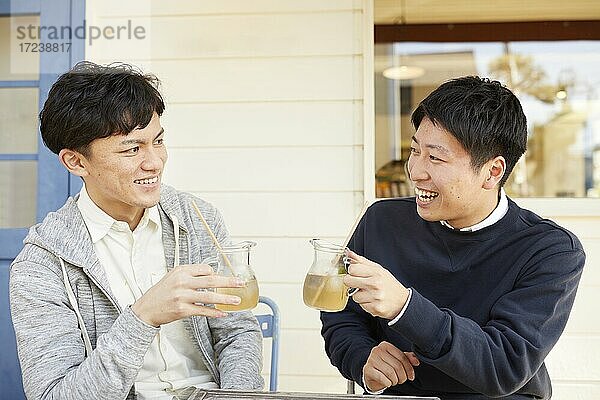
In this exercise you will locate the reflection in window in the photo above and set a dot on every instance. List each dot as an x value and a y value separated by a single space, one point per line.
555 81
18 120
17 207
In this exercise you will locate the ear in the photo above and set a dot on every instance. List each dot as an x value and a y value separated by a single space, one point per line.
73 161
495 169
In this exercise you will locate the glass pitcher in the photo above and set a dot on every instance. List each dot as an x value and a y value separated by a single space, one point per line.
324 288
234 260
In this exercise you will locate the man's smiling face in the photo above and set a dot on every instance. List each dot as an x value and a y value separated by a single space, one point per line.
446 185
123 172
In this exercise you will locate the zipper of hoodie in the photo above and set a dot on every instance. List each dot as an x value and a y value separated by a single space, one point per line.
91 278
197 335
108 296
209 362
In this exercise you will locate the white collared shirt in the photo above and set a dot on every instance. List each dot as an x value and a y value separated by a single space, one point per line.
496 215
134 262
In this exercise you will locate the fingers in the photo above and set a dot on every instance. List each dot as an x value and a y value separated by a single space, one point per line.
210 297
216 281
407 359
202 276
353 256
364 276
379 292
363 270
355 282
391 349
397 361
357 259
361 266
407 368
375 379
196 269
397 366
394 375
414 361
204 311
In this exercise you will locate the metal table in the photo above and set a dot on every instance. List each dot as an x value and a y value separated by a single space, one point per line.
203 394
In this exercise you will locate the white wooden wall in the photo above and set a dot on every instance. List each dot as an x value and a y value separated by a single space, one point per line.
268 105
270 118
573 363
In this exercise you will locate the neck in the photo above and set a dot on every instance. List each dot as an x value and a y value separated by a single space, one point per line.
490 202
134 222
132 215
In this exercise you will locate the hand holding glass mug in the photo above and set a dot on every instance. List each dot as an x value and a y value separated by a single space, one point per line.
378 292
183 292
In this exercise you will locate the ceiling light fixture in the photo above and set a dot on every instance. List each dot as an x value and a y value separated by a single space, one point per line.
403 72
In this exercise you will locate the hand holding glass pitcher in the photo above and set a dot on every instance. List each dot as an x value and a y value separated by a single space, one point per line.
324 287
233 261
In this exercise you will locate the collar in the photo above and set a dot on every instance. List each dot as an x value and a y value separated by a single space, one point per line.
100 223
496 215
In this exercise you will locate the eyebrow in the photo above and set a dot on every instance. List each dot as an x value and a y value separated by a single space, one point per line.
140 141
433 146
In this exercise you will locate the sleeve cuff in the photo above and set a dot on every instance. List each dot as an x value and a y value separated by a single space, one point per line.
131 338
364 385
425 325
392 322
141 321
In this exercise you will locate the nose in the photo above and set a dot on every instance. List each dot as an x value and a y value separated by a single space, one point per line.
154 159
416 170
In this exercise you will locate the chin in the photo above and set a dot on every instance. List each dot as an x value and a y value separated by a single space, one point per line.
428 216
149 202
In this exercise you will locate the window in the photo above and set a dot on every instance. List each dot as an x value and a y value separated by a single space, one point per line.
555 81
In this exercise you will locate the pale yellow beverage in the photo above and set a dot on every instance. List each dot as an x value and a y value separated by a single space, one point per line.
325 292
248 295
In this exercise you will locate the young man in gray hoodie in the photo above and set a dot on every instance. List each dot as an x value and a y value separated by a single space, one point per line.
108 296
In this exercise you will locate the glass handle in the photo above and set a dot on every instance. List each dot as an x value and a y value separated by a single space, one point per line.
346 261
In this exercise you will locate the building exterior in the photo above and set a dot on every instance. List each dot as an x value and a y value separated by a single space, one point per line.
271 117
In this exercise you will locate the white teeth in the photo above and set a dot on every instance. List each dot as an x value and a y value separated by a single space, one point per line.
425 195
146 181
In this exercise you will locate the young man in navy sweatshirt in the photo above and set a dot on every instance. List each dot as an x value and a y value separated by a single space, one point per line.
461 293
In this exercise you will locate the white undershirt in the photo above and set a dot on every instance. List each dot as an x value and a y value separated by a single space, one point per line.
134 262
496 215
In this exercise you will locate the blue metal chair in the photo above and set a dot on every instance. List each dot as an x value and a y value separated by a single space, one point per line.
269 324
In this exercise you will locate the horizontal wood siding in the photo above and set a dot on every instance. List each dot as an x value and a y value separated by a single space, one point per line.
268 107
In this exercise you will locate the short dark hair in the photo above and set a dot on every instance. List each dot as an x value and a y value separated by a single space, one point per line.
483 115
93 101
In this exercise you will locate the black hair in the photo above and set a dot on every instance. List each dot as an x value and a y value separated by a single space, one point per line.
93 101
484 116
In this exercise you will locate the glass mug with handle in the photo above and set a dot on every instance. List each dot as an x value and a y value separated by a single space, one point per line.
324 287
234 260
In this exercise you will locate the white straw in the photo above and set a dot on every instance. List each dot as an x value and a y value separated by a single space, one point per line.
214 238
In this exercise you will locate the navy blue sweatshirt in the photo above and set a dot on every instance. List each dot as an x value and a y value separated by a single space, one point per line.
486 308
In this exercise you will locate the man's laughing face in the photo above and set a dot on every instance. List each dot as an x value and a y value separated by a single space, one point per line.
446 185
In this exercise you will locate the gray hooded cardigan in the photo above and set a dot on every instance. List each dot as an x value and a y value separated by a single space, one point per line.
59 360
